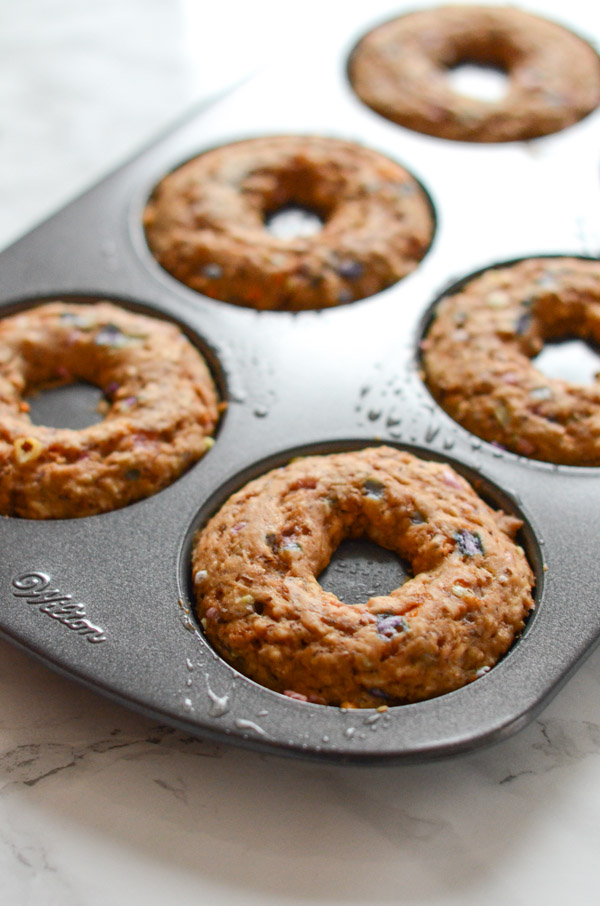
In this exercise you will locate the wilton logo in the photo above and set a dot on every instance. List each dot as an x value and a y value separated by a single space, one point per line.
33 587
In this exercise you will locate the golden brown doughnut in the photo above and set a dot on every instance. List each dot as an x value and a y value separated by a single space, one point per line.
162 409
400 69
206 223
477 358
256 563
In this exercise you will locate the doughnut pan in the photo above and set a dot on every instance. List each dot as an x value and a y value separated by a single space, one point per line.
308 382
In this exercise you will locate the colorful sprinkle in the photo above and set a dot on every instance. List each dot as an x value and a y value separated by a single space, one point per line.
289 544
298 696
523 324
373 488
350 269
417 518
498 299
77 320
212 271
27 449
541 393
469 543
389 625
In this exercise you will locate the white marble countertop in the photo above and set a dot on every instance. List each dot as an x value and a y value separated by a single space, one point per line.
99 806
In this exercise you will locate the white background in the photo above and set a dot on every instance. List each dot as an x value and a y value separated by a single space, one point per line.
100 807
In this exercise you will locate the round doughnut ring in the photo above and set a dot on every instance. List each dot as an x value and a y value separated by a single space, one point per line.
256 563
400 69
206 223
160 399
477 358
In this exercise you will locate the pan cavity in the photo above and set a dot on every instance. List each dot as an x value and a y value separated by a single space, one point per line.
360 569
75 406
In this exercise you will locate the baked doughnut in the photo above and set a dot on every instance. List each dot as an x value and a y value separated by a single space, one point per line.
161 403
262 608
477 358
400 69
206 223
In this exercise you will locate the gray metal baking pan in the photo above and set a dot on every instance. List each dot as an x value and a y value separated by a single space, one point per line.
295 383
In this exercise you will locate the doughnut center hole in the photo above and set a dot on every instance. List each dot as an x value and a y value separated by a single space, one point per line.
361 569
293 222
481 81
573 360
74 406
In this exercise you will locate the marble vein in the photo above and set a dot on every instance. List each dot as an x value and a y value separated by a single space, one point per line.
31 763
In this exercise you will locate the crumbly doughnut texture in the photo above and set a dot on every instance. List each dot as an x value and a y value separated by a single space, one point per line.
206 223
400 70
262 608
477 358
161 409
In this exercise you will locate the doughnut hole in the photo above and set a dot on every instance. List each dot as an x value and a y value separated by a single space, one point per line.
74 406
291 221
485 83
359 570
574 360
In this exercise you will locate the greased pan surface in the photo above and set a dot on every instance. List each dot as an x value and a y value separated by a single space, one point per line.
311 382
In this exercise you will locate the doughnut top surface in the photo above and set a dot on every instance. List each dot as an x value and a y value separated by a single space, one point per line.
256 566
400 70
479 358
207 223
160 409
